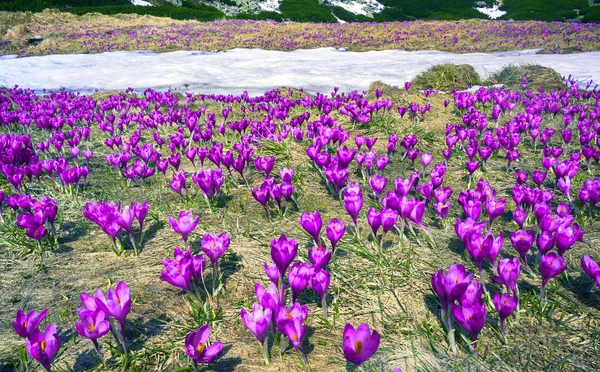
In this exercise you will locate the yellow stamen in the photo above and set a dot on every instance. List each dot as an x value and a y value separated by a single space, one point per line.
43 345
200 347
91 326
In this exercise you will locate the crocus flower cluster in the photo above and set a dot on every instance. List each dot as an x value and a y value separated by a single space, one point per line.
97 314
185 270
278 192
114 218
35 216
41 345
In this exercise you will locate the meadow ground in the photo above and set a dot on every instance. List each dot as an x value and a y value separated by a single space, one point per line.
390 289
96 33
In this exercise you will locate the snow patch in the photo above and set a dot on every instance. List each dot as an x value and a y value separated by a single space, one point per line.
140 3
270 5
493 12
257 70
358 7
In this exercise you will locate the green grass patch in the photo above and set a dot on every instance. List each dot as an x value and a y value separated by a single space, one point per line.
537 76
446 77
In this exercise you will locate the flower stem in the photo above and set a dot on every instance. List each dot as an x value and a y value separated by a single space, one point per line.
266 354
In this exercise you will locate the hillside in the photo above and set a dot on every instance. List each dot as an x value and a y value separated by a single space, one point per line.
330 11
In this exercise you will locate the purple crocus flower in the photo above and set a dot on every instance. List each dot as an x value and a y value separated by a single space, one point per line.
117 303
185 224
283 252
290 323
311 222
25 325
551 265
298 278
319 282
508 273
214 246
505 305
92 325
258 322
591 268
471 316
353 203
335 231
522 241
197 348
359 344
43 347
272 272
178 272
319 256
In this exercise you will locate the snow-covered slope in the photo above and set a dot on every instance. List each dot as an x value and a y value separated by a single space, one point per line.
257 70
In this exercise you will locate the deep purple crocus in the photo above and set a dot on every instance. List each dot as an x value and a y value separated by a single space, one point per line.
359 344
43 347
283 252
184 224
197 348
25 325
335 231
311 222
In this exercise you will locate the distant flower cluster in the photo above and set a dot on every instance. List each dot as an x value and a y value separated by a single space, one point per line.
458 37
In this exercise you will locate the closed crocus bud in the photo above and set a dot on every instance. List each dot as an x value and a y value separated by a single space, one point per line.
591 268
257 321
520 215
374 220
283 252
359 344
272 272
335 231
353 204
311 222
319 282
300 274
522 241
545 241
508 271
551 265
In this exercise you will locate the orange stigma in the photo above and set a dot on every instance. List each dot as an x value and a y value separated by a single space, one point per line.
358 346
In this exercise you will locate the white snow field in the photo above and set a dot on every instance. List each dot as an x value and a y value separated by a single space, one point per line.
257 70
493 12
141 3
